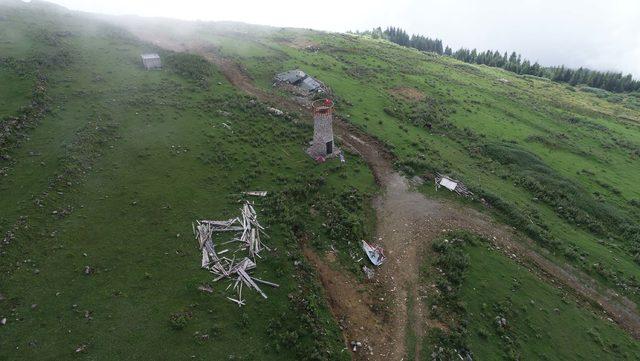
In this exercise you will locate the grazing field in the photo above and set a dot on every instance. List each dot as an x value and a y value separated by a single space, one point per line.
557 162
104 166
112 177
511 314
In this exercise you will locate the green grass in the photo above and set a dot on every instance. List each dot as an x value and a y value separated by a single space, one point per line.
497 309
15 96
543 322
124 160
585 139
112 178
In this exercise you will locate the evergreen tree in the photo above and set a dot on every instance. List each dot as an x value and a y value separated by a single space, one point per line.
615 82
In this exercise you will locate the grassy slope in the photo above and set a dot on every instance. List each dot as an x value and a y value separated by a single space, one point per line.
543 321
12 98
598 151
144 154
16 95
588 152
512 314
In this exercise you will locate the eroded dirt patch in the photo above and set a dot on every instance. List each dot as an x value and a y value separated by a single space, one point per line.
407 93
352 306
299 42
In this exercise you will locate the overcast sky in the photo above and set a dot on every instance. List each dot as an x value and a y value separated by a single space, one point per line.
602 35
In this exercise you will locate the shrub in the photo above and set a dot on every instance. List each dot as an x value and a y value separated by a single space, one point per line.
190 66
568 199
179 320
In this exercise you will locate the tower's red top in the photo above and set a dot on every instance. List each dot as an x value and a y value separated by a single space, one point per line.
323 106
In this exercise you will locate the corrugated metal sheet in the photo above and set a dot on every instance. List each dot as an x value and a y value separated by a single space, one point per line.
291 76
299 78
449 184
310 84
150 56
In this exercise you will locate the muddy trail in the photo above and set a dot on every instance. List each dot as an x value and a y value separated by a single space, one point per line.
407 222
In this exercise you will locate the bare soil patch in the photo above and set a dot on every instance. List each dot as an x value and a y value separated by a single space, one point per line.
407 93
352 306
299 42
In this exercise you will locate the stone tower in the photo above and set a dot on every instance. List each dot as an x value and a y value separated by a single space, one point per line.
322 144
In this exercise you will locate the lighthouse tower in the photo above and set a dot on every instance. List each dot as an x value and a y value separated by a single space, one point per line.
322 144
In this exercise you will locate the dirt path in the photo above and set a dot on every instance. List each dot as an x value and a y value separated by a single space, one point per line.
407 222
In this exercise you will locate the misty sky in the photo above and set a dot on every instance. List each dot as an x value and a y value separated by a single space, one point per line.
603 35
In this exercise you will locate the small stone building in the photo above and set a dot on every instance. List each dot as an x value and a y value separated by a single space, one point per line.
151 61
322 144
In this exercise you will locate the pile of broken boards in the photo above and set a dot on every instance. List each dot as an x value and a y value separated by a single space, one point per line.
297 81
248 231
452 185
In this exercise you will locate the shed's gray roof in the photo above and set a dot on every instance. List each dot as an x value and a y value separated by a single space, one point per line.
150 56
291 76
310 84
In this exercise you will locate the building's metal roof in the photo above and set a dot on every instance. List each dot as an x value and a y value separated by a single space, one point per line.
310 84
300 79
150 56
291 76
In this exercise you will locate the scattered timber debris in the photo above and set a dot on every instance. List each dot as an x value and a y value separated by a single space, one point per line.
205 288
355 345
256 193
452 185
374 252
249 233
275 111
369 272
87 270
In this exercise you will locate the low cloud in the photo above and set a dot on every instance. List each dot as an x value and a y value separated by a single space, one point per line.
602 35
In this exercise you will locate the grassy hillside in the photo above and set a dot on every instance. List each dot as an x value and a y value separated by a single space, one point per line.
543 322
104 164
111 176
512 314
557 162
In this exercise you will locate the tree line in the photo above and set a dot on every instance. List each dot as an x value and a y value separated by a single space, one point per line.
611 81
